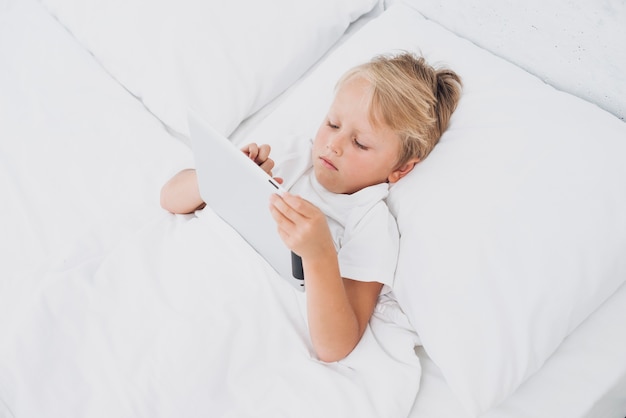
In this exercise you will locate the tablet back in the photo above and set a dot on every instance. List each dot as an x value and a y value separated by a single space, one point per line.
238 190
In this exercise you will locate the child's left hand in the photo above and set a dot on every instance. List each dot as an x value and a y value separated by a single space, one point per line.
260 154
302 226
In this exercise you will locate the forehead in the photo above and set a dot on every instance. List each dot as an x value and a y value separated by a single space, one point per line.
355 90
355 93
353 100
353 107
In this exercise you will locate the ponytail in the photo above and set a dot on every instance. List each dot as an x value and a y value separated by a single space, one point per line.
448 93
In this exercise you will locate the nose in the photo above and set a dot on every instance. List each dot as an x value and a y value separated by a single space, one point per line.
335 144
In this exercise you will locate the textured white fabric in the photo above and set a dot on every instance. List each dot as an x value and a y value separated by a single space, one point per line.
223 59
109 307
573 45
513 230
184 318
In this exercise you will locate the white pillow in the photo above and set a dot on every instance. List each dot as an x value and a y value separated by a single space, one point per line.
224 59
570 44
513 230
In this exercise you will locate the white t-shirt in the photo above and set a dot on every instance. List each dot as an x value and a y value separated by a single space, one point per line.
364 231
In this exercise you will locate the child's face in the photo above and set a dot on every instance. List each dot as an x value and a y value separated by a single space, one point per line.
349 153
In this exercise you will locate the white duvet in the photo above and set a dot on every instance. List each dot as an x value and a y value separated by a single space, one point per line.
184 319
111 307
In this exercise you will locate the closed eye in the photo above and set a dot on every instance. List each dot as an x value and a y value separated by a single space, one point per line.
359 145
332 125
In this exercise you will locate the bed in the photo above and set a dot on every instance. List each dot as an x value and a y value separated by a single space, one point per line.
509 296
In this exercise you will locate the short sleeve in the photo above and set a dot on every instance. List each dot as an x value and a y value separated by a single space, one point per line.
369 248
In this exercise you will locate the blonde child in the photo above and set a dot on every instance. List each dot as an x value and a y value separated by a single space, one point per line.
386 116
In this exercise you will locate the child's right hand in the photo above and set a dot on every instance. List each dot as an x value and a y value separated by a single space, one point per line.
302 226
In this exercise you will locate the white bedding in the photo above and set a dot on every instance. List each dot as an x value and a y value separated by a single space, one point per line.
512 231
585 378
574 45
78 154
224 59
185 319
111 307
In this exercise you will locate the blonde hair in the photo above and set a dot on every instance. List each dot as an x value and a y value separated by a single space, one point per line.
411 97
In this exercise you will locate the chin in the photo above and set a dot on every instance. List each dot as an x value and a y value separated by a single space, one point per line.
327 184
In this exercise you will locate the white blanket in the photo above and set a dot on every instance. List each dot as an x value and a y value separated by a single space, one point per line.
110 307
184 319
77 152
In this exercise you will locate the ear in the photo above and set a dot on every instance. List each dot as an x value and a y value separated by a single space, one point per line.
402 171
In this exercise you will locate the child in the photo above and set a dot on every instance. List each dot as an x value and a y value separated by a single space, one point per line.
386 116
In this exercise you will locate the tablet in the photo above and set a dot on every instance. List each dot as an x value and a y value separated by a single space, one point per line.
238 191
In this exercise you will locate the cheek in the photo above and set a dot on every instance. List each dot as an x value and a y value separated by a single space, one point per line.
320 139
379 167
363 167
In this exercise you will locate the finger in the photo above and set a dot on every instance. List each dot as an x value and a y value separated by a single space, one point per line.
299 205
284 225
267 166
251 150
279 180
263 153
278 208
286 211
277 214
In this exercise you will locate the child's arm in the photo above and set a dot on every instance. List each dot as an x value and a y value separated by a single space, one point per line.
181 194
338 309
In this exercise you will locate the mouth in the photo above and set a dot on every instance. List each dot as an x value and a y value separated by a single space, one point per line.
327 163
